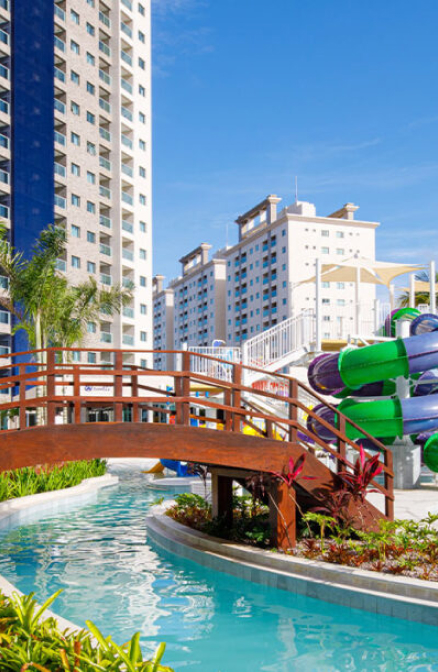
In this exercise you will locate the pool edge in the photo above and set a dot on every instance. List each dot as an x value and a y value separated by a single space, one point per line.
412 599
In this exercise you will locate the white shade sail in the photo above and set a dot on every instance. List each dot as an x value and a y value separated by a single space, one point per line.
360 269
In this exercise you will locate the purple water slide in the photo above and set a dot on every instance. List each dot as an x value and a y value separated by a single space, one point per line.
427 384
323 374
422 352
424 323
420 414
317 428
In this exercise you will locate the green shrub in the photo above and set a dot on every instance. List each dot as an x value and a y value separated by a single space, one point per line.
30 481
28 641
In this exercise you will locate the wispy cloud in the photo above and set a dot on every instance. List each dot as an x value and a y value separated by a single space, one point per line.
423 121
178 31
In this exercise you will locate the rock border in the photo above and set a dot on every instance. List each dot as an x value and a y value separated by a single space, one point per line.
400 597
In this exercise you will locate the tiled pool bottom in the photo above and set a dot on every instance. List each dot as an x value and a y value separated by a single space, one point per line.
212 622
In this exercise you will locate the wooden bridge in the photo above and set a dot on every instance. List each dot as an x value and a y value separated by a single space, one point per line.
50 405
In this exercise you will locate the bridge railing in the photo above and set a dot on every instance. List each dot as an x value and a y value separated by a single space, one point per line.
59 390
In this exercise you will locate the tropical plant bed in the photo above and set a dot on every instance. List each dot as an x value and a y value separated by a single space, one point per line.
401 547
47 478
29 640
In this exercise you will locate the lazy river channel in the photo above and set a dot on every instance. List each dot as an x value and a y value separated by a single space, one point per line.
100 555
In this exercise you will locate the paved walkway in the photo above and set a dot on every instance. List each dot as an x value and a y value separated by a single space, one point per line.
416 504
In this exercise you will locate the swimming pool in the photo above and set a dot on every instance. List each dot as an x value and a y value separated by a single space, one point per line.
211 622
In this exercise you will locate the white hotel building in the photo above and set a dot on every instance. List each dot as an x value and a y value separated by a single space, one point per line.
256 283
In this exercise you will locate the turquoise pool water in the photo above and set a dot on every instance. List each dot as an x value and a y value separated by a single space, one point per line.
211 622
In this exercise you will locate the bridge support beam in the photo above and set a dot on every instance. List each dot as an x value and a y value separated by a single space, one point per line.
282 515
222 497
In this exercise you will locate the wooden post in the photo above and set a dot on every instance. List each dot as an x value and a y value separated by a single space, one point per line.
22 392
50 387
237 396
342 446
134 392
282 515
118 386
389 485
293 410
76 394
185 388
228 420
222 498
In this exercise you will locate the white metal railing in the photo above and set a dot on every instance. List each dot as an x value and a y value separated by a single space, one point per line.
279 342
209 367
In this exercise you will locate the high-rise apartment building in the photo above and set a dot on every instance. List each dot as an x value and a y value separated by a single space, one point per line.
75 145
164 337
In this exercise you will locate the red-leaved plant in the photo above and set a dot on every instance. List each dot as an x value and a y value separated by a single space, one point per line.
365 470
295 469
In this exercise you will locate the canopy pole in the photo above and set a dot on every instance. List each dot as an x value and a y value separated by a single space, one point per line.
318 305
357 301
412 290
391 297
432 281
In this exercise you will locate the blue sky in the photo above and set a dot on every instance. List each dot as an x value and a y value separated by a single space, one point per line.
249 93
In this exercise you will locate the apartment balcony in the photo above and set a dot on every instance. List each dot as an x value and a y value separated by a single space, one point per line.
4 282
104 48
106 279
104 134
126 86
126 58
105 19
59 106
127 198
126 113
60 170
128 312
127 4
105 77
60 202
59 44
127 255
61 265
127 226
59 74
105 164
105 105
106 337
60 138
105 192
127 339
105 249
59 13
126 142
127 170
126 30
105 221
127 282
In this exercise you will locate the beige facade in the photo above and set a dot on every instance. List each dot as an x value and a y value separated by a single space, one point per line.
103 156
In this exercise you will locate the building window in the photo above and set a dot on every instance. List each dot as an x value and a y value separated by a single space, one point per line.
75 262
90 59
91 237
90 2
91 267
143 254
325 233
143 308
74 77
75 231
91 358
141 36
325 250
91 148
340 285
75 200
75 139
142 281
325 285
142 171
142 117
143 336
75 108
91 327
141 90
142 63
141 9
91 88
339 234
340 250
91 177
142 145
74 46
74 17
90 29
91 207
142 227
142 199
75 169
91 118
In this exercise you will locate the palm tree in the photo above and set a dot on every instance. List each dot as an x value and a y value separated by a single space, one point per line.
421 296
